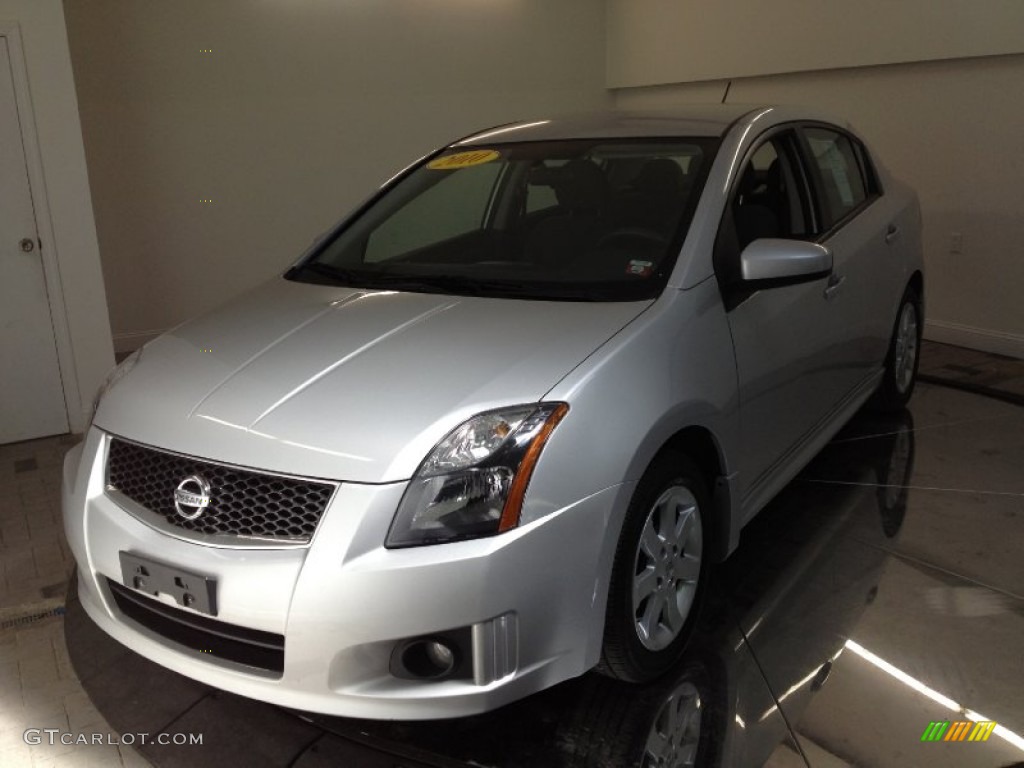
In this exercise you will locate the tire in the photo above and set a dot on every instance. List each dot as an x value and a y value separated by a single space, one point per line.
659 573
903 357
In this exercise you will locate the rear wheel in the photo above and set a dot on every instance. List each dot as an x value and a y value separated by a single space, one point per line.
901 362
659 572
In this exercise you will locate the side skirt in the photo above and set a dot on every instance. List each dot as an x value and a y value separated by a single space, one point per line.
796 458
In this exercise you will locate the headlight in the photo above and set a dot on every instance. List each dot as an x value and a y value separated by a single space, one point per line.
472 484
115 375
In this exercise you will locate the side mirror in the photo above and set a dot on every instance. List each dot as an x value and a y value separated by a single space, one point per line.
784 260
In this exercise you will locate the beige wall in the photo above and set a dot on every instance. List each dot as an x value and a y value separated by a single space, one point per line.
60 192
653 42
299 111
302 107
953 128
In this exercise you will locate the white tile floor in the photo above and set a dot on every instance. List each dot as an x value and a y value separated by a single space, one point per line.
38 687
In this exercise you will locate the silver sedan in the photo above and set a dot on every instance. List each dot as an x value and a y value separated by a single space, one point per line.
490 431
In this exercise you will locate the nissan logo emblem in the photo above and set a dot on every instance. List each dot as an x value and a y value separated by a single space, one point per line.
192 497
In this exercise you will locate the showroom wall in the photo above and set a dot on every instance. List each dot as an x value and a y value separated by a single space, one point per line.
932 84
221 137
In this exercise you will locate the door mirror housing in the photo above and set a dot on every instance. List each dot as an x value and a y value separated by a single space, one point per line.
784 261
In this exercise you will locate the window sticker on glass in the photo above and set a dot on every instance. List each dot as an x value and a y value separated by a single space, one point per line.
830 158
641 268
837 164
463 159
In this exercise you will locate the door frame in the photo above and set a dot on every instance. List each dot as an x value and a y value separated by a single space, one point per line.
11 32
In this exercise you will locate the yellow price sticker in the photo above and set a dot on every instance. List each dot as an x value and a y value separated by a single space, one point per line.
463 159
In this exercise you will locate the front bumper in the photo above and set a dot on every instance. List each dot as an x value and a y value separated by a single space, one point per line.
531 600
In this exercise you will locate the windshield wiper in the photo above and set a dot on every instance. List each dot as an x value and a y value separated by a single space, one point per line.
417 283
460 285
344 276
465 285
357 279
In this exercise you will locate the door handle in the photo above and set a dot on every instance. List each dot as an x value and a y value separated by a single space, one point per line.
834 281
27 244
891 234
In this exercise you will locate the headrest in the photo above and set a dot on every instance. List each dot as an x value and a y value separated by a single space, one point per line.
580 185
661 178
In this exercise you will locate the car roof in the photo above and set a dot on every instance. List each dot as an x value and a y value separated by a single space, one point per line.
708 120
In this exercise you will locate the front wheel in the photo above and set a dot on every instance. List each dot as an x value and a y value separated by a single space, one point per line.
902 359
659 572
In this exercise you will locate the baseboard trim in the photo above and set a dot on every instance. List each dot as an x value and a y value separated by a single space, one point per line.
997 342
129 342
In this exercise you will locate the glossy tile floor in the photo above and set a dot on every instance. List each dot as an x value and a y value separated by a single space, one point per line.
38 687
881 592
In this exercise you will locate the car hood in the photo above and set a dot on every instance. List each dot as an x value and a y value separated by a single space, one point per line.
347 384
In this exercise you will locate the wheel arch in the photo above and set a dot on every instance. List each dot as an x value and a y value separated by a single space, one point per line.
703 447
691 449
916 282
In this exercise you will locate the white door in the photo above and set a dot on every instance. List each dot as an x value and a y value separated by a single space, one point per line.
31 392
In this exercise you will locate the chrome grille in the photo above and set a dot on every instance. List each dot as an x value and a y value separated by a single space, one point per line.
243 503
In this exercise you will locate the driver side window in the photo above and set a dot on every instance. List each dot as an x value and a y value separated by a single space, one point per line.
767 200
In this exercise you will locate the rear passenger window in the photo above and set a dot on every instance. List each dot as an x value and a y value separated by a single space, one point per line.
842 184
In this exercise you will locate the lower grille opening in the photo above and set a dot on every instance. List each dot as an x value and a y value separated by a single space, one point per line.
251 647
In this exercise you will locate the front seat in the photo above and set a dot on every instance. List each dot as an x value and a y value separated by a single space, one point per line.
754 219
581 190
658 196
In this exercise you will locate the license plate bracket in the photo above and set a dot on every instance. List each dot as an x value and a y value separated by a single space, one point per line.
189 590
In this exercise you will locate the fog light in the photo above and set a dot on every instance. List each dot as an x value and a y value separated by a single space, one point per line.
426 658
440 655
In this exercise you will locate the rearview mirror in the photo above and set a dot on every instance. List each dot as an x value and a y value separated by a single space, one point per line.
786 260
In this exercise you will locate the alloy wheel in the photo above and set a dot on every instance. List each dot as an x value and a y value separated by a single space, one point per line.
667 568
906 347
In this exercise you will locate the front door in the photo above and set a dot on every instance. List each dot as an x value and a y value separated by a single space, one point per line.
782 336
31 392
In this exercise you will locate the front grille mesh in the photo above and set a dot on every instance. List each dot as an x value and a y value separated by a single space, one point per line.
243 502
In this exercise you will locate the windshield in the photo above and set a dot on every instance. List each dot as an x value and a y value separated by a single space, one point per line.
597 220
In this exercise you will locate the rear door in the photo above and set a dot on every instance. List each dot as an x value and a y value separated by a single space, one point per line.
858 227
